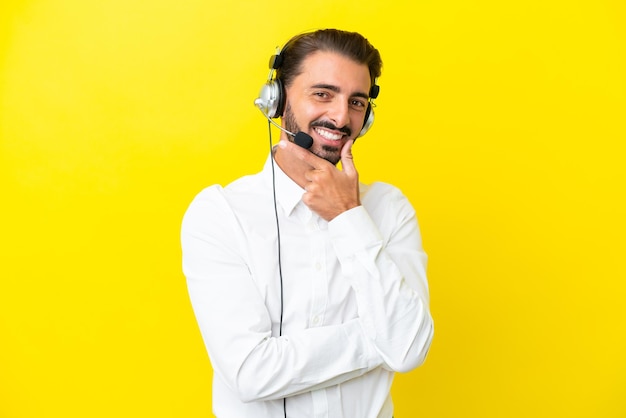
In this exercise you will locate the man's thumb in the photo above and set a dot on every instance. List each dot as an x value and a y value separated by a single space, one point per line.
347 161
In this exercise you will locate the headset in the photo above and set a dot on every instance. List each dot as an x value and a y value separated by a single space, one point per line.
272 97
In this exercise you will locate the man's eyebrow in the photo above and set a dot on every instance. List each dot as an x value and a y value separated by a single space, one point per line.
336 89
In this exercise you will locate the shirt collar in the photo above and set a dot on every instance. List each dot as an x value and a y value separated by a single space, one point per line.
288 193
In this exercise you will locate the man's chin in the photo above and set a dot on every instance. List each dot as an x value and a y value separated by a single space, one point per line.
330 154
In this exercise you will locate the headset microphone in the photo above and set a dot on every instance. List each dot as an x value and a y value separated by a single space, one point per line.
304 140
301 138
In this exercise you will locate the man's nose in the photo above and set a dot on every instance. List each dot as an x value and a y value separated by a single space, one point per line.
339 113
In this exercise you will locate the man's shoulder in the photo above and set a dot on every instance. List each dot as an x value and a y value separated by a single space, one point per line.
246 184
380 190
241 193
249 183
380 197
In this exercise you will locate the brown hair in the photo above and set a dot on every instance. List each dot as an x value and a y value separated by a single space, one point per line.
349 44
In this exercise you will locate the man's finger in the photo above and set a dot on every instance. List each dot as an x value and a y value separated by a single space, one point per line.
347 161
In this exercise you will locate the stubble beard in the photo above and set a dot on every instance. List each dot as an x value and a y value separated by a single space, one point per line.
327 152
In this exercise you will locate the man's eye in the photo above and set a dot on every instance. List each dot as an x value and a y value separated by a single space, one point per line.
358 103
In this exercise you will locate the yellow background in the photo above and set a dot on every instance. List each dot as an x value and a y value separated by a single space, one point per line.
503 122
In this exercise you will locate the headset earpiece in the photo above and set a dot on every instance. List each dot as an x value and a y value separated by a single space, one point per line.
368 121
271 99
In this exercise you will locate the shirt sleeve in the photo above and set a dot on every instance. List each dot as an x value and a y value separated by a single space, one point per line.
386 265
236 325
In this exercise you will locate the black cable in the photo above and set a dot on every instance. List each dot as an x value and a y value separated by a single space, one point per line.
280 270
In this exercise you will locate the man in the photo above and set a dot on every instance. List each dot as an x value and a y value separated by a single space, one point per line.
309 288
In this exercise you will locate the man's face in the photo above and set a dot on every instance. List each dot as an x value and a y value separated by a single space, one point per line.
328 101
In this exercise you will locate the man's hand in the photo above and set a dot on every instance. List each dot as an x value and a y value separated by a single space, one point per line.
328 190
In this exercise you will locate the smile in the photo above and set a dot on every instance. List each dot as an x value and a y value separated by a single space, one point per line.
328 135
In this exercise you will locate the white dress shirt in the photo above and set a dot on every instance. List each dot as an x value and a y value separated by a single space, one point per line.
355 298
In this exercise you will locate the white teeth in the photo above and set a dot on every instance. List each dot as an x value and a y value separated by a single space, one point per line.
329 135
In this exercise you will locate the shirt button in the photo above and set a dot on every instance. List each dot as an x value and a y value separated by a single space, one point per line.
315 320
318 266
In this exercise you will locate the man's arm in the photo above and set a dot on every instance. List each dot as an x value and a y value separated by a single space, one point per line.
387 271
388 274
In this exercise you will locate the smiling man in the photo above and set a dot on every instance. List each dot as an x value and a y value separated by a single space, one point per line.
309 288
